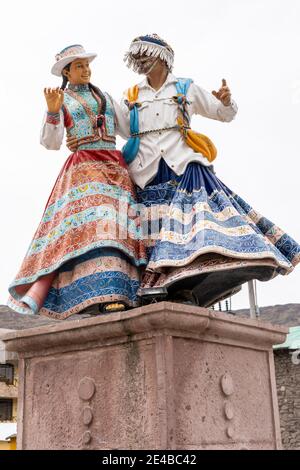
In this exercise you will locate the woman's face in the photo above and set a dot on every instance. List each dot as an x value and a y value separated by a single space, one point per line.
80 72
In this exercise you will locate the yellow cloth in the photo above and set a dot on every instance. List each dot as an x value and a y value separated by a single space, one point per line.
133 94
200 143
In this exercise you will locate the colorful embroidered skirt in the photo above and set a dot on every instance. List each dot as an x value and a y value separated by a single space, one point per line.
202 236
87 248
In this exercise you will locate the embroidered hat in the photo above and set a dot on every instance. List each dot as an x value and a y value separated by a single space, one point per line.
150 45
67 55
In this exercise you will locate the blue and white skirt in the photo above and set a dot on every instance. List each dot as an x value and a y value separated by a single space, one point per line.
201 235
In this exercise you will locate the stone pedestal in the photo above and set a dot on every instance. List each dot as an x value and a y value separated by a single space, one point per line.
164 376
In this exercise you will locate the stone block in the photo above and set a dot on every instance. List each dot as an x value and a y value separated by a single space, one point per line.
164 376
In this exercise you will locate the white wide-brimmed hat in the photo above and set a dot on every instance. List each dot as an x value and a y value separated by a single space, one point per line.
67 55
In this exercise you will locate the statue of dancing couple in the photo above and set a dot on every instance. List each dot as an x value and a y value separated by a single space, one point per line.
151 221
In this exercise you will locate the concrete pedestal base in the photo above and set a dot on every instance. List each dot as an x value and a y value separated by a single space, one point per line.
164 376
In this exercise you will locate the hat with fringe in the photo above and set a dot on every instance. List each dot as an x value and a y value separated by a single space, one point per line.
67 55
150 45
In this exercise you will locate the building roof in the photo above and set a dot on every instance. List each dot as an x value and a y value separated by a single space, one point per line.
292 340
7 430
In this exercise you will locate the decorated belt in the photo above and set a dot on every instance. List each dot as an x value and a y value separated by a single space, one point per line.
163 129
94 138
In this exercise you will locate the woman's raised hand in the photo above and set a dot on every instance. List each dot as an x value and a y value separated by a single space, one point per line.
54 98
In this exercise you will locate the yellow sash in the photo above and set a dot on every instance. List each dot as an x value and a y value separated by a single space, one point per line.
200 143
133 94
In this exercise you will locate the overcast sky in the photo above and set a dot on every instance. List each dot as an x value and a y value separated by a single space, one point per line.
252 43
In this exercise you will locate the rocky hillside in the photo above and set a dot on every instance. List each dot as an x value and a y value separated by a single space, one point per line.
288 314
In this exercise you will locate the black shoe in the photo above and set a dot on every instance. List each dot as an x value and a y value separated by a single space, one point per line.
153 295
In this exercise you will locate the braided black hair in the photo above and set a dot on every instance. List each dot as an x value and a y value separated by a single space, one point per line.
65 79
101 95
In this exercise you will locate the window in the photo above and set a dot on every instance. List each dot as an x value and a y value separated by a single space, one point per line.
7 373
6 410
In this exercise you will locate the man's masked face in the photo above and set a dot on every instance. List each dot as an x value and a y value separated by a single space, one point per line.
145 64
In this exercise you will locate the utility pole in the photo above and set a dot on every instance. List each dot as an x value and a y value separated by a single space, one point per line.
254 309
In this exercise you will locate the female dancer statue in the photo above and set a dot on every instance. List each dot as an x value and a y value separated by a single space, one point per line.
87 249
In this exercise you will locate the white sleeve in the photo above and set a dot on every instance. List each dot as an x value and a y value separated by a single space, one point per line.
52 133
122 121
206 104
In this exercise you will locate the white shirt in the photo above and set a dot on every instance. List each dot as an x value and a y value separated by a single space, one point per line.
159 110
52 135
